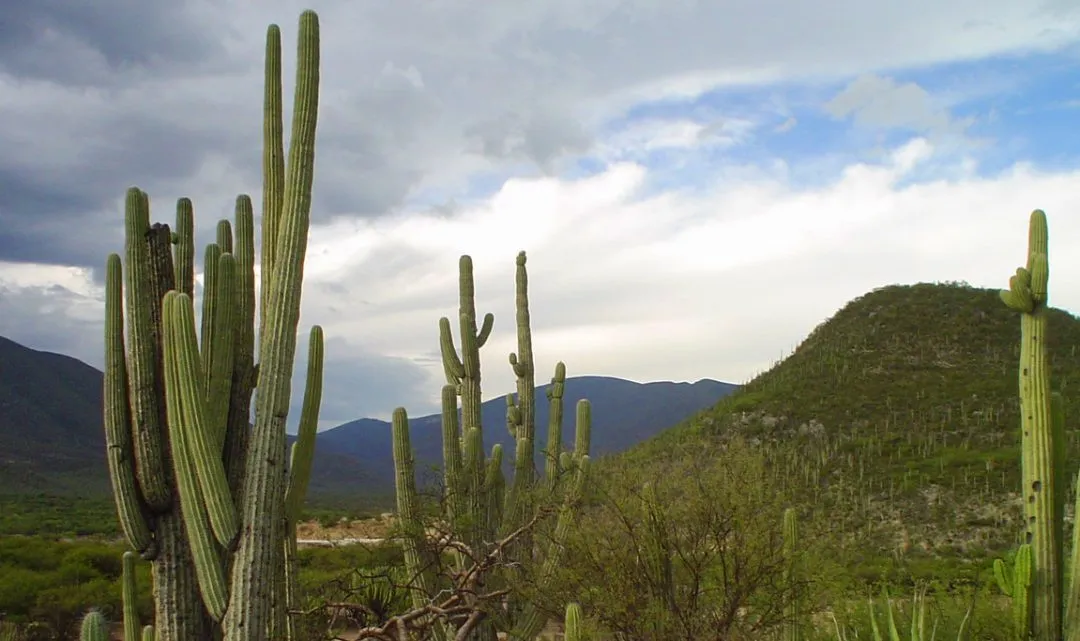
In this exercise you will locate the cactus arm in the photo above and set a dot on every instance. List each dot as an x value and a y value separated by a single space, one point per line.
210 304
117 418
273 163
413 538
129 597
1003 578
583 428
303 451
262 500
524 369
178 348
1021 600
555 421
239 425
220 348
452 464
200 443
184 253
224 236
144 354
494 486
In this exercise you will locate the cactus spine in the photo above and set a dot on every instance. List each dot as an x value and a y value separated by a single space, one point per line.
480 506
177 407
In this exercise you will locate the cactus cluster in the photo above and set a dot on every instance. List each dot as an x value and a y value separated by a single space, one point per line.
202 491
1044 608
479 506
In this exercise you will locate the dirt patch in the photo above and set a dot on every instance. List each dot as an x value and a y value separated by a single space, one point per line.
374 528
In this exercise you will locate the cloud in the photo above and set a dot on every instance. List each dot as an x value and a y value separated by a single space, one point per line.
673 285
691 181
882 102
417 98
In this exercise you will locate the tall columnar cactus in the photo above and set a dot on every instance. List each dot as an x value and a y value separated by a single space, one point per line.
1042 444
792 611
479 505
202 492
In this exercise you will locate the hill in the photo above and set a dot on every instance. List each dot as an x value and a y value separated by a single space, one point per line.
50 422
896 421
52 440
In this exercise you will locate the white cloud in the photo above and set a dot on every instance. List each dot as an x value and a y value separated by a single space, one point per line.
420 98
715 283
687 286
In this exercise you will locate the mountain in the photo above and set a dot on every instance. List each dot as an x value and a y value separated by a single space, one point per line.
50 422
623 413
52 440
896 422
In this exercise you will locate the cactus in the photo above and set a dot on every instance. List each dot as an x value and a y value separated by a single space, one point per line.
572 623
128 590
792 630
1041 441
94 627
202 491
1016 584
479 505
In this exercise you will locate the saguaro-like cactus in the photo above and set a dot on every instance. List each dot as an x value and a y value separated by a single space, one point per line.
200 491
1042 445
479 505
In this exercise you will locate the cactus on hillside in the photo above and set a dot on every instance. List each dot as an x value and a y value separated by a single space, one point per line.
201 490
1054 613
480 507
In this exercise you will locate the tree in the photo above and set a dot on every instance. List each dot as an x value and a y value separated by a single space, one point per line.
692 549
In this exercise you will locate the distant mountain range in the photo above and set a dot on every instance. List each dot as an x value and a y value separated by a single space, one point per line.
51 437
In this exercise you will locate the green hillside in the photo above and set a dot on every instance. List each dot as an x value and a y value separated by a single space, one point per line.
896 421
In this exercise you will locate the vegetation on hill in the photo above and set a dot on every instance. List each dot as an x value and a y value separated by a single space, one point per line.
897 421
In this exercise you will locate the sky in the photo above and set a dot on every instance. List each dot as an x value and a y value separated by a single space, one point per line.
697 184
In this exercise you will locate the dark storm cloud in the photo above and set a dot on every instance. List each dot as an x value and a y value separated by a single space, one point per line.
84 43
71 214
415 96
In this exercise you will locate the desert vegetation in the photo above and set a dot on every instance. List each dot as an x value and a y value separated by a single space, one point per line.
871 485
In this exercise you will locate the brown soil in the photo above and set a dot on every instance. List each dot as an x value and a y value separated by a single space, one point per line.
375 528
